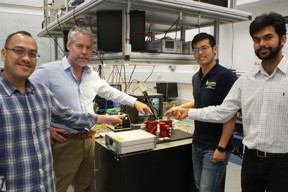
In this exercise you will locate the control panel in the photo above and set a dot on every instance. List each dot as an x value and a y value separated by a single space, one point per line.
165 46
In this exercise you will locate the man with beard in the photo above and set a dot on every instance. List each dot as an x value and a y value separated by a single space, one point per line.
263 97
75 85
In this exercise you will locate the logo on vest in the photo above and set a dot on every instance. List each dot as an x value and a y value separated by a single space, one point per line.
210 84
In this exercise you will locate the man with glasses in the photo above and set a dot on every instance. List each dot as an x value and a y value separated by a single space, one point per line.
26 111
212 142
262 95
75 84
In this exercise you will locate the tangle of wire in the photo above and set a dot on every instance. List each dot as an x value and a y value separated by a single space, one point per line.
150 74
136 87
129 82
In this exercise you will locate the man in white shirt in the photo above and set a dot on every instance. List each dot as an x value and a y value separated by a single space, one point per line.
262 96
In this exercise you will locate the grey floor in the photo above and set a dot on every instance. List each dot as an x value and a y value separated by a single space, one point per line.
232 183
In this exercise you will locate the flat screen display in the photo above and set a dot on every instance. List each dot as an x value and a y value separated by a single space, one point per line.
167 89
104 104
136 117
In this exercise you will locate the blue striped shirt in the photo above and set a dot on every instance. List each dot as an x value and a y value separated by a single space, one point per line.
25 151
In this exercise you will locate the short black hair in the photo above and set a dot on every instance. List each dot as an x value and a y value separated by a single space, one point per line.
11 35
271 19
203 36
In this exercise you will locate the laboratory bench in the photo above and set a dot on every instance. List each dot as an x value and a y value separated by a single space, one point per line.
166 168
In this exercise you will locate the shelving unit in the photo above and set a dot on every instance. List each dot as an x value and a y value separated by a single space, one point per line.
160 14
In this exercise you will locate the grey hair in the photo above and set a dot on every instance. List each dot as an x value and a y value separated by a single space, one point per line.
76 29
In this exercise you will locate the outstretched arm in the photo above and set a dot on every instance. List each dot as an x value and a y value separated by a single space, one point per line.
174 110
142 108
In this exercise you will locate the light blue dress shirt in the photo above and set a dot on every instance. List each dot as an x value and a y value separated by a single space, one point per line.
58 76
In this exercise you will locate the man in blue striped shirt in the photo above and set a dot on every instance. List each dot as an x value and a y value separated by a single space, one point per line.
26 111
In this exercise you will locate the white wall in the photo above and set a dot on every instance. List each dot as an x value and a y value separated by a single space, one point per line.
34 3
24 16
243 58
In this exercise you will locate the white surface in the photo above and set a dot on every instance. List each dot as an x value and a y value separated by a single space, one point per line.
233 178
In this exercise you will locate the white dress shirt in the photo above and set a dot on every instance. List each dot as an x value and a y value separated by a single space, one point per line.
263 99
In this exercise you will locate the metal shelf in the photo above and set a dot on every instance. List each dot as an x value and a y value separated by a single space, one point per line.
161 14
137 58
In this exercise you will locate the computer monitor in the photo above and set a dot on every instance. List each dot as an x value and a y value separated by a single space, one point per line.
137 117
104 104
168 90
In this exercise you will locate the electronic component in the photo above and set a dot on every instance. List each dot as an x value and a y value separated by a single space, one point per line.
130 141
187 48
143 89
167 89
110 32
165 46
126 125
102 105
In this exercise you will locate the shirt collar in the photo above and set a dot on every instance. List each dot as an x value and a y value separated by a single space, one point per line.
11 89
67 66
282 66
211 72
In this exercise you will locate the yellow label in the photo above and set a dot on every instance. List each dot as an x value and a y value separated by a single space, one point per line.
118 138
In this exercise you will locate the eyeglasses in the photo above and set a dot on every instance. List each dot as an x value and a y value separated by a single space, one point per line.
203 48
22 51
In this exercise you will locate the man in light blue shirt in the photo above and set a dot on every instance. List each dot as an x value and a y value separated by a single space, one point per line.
75 84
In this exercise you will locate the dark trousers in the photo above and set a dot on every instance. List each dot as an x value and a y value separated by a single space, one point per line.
259 174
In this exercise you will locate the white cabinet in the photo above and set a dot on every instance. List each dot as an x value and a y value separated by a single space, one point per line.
160 14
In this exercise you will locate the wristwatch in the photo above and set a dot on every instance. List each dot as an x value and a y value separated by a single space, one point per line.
221 149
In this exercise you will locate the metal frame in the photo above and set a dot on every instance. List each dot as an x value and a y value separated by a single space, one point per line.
158 12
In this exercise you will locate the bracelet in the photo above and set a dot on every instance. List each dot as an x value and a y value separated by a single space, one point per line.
221 149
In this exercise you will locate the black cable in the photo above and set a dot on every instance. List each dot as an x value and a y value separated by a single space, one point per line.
124 71
54 41
130 82
172 26
150 74
120 76
73 13
57 17
100 71
149 31
176 29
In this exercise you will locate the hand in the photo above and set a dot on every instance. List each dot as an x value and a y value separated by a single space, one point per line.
55 136
178 112
113 120
218 156
171 110
142 108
